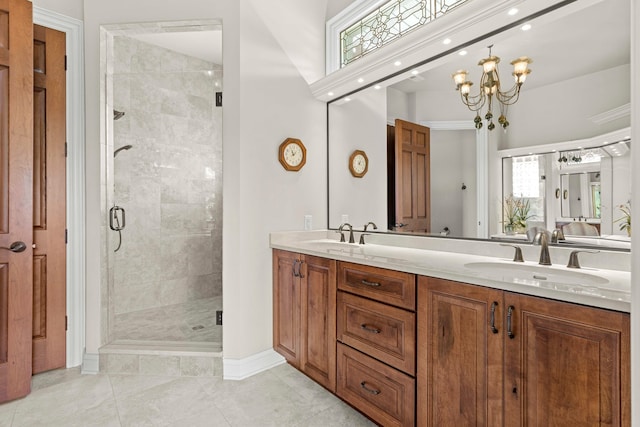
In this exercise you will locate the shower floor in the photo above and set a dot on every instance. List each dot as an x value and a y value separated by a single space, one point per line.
193 321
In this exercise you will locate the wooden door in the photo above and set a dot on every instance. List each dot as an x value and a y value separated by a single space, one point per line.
16 196
286 305
566 365
460 352
318 320
49 200
413 199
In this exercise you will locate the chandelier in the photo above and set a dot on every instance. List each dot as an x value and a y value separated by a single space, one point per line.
490 89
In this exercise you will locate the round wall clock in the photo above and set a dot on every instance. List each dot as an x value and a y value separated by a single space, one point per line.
358 163
292 154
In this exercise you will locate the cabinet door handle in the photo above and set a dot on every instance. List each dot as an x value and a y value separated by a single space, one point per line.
373 391
367 328
296 268
510 333
300 275
492 320
372 284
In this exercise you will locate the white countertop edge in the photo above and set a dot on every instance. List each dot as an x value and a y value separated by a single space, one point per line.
450 265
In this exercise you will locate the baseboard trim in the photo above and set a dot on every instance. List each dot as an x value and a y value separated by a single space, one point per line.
239 369
90 364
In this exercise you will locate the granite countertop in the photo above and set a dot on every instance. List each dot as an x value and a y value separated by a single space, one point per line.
474 262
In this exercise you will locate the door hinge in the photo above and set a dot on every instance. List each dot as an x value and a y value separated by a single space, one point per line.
65 62
66 147
218 317
66 323
66 236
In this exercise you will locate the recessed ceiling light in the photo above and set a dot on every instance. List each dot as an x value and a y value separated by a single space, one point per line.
554 151
446 41
513 11
526 27
330 94
377 87
415 72
347 99
360 80
462 53
397 63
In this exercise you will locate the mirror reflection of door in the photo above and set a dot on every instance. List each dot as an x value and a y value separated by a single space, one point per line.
581 195
412 178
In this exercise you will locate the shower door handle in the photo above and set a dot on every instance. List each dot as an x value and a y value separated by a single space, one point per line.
114 214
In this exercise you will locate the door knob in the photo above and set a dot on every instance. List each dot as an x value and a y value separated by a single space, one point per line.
15 247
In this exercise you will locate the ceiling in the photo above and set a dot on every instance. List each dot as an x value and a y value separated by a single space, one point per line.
205 45
562 46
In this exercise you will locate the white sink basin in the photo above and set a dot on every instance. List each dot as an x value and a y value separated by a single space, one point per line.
533 274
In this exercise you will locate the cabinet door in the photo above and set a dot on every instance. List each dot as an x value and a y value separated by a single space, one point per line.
318 320
459 354
286 305
566 364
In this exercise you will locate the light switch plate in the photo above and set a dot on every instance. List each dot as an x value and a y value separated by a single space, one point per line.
308 222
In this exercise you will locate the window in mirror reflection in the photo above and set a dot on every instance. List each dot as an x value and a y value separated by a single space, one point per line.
527 184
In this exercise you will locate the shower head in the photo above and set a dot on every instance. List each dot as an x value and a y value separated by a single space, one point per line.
117 114
125 147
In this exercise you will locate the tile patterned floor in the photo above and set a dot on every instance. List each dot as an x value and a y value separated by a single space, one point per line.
279 397
191 321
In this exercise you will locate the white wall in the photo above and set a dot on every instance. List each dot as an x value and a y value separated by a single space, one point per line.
359 124
72 8
561 111
266 100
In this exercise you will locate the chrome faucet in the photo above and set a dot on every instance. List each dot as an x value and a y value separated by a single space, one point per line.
557 235
375 227
342 226
542 240
364 233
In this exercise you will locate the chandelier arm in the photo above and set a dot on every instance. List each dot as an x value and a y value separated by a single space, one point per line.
508 99
474 103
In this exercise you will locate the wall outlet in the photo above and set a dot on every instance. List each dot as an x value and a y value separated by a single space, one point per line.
308 222
218 317
345 218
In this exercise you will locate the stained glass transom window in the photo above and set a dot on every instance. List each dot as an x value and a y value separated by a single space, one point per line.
389 22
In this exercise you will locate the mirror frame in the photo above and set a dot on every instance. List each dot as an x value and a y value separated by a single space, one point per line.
482 141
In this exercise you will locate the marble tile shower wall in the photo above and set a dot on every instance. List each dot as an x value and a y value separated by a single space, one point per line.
169 182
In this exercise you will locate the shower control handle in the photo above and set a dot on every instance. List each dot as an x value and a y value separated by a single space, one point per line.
114 214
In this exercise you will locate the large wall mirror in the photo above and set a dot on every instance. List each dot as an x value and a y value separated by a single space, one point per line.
576 97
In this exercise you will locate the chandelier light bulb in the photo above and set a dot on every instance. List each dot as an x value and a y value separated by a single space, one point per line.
465 88
489 64
459 77
520 65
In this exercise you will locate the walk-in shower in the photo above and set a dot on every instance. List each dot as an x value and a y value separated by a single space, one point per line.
164 283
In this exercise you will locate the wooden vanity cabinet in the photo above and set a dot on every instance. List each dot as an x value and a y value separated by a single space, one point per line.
304 314
492 358
376 332
566 364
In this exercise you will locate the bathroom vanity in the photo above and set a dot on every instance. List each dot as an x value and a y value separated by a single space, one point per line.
433 332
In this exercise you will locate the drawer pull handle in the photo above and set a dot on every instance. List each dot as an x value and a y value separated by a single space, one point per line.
372 284
510 333
369 329
492 322
375 392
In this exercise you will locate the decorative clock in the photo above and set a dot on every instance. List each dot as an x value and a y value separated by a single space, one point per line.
292 154
358 163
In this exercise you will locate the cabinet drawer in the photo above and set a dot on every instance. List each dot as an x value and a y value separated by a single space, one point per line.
391 287
386 395
379 330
